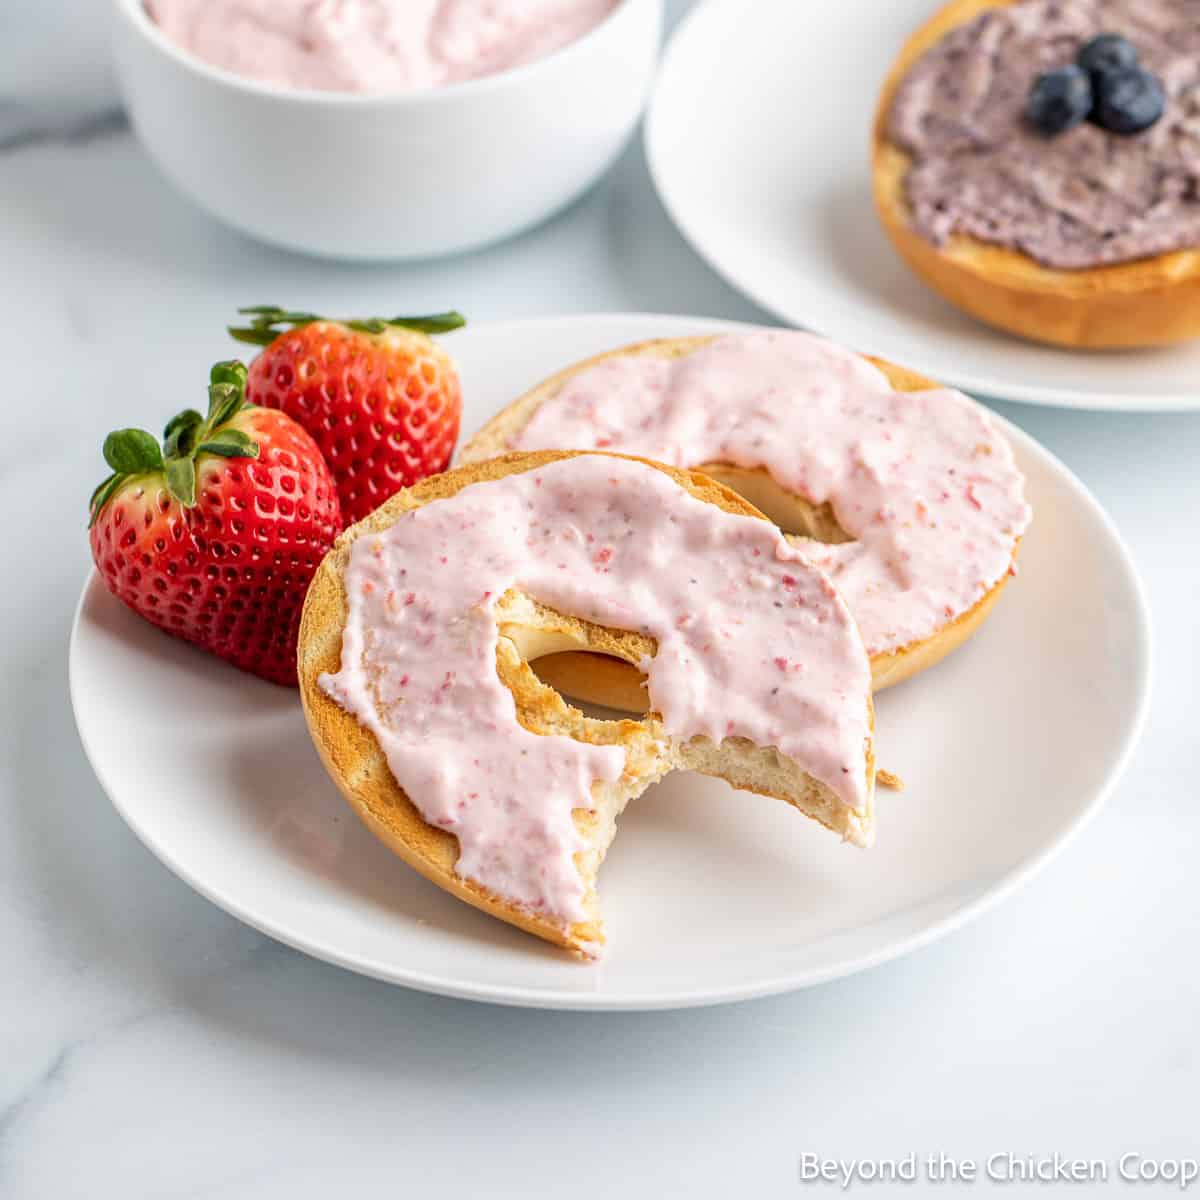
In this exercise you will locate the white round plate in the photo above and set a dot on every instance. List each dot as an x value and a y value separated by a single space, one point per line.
758 138
709 894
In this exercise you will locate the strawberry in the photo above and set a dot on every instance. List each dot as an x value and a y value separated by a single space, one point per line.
215 535
380 398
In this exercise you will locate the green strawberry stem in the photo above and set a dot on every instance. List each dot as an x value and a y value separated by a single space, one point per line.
131 452
265 318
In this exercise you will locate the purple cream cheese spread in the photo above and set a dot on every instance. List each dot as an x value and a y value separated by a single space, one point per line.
1085 198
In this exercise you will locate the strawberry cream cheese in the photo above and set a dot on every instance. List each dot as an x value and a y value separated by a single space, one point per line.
752 642
373 45
923 483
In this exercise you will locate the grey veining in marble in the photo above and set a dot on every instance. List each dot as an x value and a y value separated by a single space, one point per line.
21 126
55 77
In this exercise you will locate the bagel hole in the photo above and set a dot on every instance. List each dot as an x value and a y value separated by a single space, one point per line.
793 514
555 659
619 683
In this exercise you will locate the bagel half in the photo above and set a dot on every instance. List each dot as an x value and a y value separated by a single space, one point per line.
356 763
616 684
1149 302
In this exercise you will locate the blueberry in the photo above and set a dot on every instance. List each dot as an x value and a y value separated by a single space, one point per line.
1107 52
1128 101
1059 100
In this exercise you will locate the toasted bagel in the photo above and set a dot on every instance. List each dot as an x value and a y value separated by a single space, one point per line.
356 761
616 684
1148 302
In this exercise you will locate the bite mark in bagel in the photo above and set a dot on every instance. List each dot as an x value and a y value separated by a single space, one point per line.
417 690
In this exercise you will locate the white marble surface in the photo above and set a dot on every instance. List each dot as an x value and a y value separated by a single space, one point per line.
151 1046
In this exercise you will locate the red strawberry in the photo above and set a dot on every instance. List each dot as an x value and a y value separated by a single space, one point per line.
215 536
382 400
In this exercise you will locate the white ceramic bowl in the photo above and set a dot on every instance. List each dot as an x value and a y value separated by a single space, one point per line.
410 175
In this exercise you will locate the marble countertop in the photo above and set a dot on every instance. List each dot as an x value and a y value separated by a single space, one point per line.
152 1046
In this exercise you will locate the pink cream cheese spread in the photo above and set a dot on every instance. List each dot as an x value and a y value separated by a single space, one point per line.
922 482
373 45
751 642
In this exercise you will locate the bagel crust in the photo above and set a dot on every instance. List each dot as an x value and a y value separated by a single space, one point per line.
615 684
1148 302
356 760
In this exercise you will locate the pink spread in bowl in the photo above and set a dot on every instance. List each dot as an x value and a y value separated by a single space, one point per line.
356 154
374 46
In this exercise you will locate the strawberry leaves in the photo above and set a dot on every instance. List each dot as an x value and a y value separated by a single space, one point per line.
226 393
230 443
268 322
180 434
133 452
181 480
128 452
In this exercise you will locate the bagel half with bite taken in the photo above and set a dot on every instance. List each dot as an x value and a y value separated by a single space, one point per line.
413 662
826 412
1114 300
